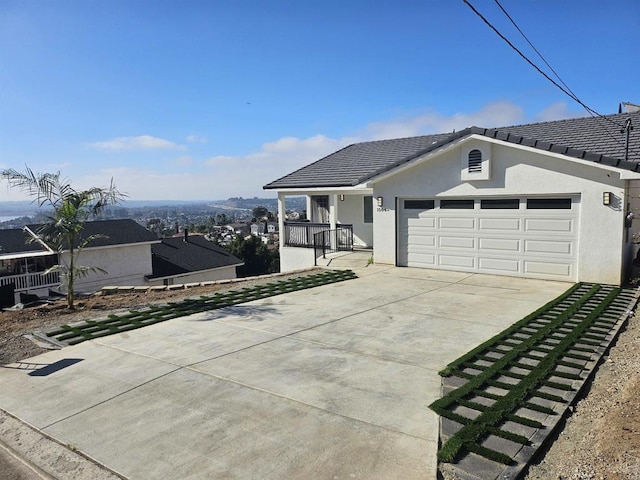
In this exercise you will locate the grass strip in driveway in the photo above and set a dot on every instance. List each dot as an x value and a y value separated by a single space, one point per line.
509 386
90 329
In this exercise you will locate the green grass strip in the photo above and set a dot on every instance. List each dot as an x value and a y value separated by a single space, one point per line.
470 434
505 333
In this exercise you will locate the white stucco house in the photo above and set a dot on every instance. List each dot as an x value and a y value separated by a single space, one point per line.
551 200
123 250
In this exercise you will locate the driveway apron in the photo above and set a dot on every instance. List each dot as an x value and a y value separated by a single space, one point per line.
332 382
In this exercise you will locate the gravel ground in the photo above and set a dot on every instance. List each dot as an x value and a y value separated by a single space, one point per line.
601 439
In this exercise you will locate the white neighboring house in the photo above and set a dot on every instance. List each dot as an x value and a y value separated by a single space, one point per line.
551 200
123 251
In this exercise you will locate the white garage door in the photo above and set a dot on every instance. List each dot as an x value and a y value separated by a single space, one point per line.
530 237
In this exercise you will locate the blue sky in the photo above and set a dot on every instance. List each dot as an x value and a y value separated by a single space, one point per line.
197 100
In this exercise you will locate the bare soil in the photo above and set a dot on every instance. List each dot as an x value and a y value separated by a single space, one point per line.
601 439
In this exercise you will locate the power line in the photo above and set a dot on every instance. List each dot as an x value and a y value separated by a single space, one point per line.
535 49
573 95
566 91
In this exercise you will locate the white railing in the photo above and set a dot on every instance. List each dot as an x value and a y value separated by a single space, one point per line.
28 281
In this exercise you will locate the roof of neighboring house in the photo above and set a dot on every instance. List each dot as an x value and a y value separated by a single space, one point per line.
175 256
596 139
115 232
15 240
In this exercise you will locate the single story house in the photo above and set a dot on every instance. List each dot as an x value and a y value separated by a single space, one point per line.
551 200
190 259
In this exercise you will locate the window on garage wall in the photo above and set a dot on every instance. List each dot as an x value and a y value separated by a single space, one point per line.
500 204
457 204
549 203
368 209
419 204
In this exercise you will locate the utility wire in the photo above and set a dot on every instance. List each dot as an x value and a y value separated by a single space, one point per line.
544 74
573 95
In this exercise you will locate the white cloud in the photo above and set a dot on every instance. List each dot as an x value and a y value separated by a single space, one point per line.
193 138
184 160
142 142
223 176
558 111
492 115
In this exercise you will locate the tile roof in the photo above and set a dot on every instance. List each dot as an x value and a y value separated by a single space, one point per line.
175 256
116 232
15 240
595 139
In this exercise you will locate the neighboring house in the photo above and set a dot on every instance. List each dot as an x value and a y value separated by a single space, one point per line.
550 200
190 259
22 264
123 251
258 228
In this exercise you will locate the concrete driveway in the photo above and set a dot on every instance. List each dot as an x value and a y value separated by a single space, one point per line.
328 383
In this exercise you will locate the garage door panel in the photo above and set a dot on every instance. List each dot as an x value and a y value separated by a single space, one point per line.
547 268
422 259
510 245
457 242
549 225
510 224
499 265
549 246
427 240
457 222
456 261
427 222
419 231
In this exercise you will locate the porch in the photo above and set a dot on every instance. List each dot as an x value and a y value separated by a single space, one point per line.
319 237
332 222
30 281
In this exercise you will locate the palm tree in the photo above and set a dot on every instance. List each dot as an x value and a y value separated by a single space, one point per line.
71 209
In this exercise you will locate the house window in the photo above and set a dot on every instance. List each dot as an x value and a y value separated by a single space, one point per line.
419 204
368 209
549 203
320 208
474 163
500 204
457 204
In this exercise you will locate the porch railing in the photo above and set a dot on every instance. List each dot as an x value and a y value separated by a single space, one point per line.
27 281
300 234
331 241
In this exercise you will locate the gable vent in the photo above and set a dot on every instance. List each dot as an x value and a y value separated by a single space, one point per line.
475 161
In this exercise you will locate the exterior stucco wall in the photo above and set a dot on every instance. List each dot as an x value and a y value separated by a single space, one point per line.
125 265
293 258
222 273
351 211
515 172
633 206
